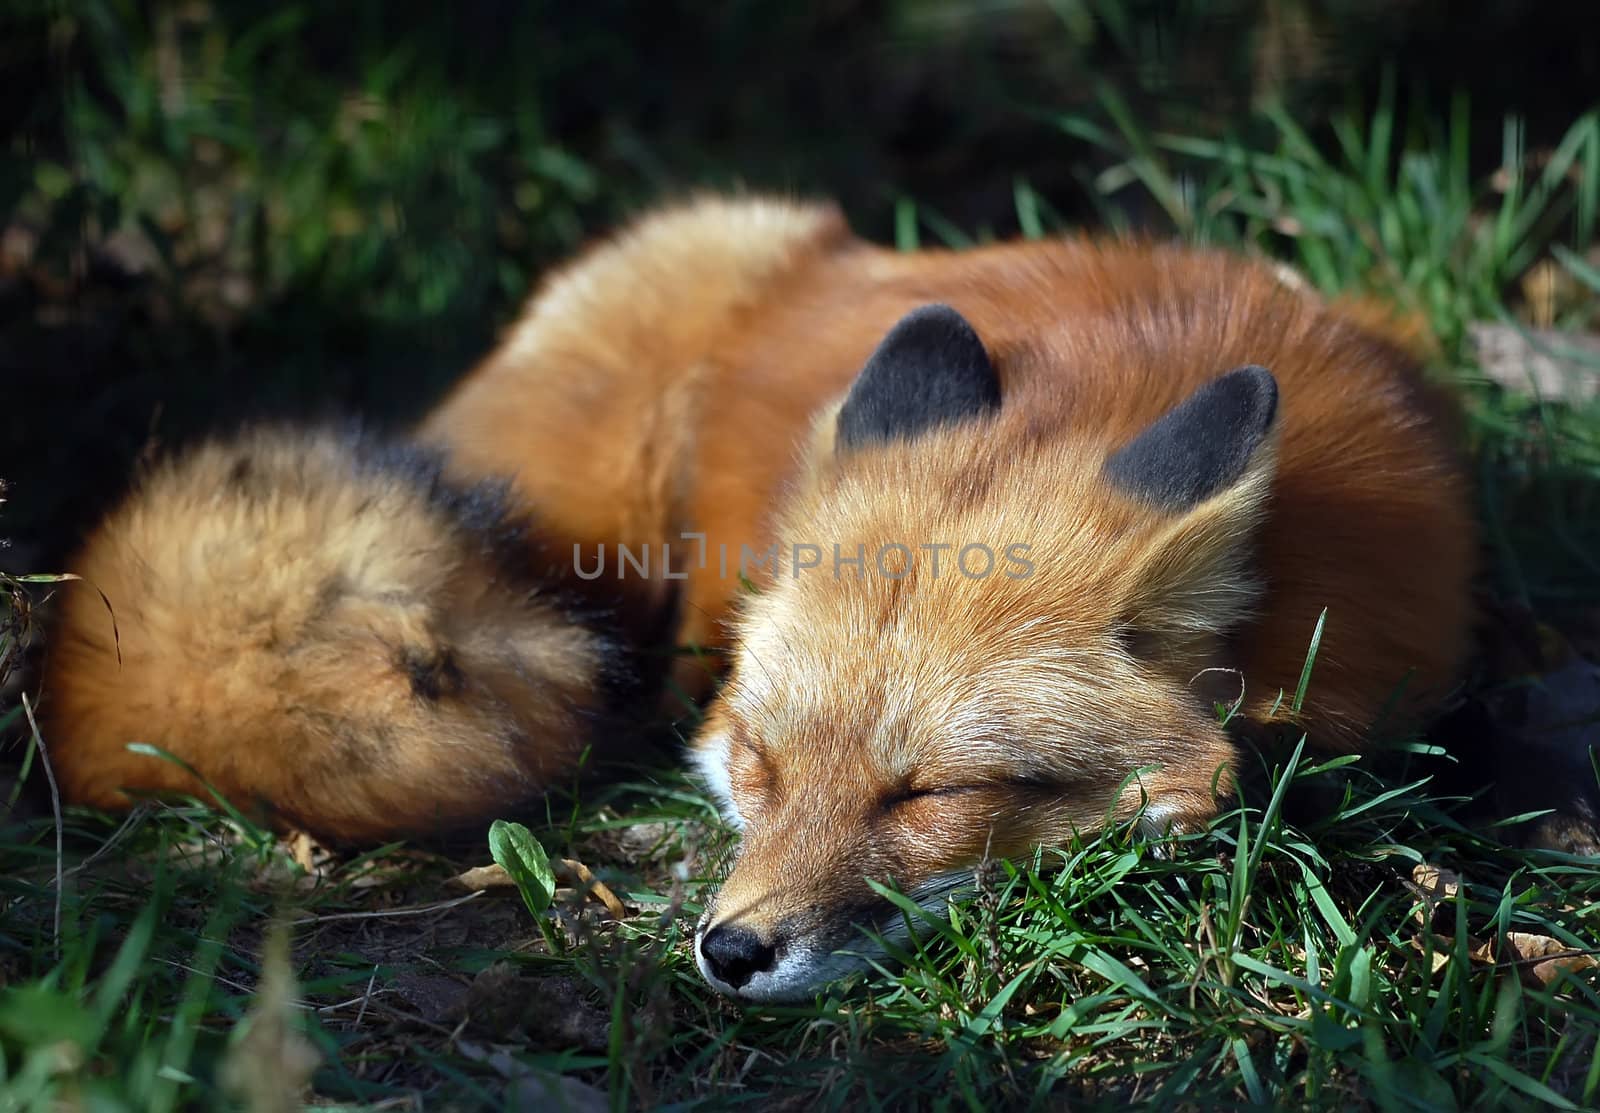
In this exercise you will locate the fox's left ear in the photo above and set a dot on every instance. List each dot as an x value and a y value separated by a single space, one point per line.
1206 467
931 370
1208 443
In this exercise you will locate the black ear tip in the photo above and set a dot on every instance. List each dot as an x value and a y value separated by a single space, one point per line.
931 369
936 329
1256 390
1202 445
934 314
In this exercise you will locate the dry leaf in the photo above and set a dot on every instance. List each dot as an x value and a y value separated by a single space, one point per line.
305 851
1549 289
479 878
577 874
1538 959
566 870
1439 956
1548 958
1436 882
1435 885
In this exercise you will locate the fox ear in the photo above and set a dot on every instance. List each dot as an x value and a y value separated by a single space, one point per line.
1202 446
930 370
1208 466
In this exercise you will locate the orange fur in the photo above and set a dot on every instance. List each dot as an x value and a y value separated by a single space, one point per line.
320 641
681 379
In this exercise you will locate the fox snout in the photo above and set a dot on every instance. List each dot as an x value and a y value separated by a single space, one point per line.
756 963
758 959
789 917
732 955
770 936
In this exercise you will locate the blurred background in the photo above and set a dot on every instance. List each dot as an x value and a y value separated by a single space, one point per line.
213 210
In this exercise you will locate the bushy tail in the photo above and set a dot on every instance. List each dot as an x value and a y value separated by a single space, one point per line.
326 632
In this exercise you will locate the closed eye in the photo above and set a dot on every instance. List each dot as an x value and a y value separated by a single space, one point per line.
1032 786
908 794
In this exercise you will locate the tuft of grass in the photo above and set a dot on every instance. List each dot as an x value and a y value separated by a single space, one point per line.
1395 212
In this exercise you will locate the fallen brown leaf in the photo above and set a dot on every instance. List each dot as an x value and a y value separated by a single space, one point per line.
305 851
479 878
567 870
1436 882
1545 958
1538 959
1435 885
576 873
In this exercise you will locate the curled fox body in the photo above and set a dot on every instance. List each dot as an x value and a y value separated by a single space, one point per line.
1018 519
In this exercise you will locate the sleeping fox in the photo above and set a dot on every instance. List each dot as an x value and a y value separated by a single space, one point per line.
986 538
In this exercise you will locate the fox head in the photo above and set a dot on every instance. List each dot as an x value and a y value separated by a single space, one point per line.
983 634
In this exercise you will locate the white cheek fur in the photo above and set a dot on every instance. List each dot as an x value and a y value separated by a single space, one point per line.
1157 820
709 758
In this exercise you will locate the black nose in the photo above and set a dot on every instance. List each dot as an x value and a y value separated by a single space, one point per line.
736 954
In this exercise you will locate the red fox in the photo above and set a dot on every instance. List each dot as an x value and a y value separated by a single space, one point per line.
1015 521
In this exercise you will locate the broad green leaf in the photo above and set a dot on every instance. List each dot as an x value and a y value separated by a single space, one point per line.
518 853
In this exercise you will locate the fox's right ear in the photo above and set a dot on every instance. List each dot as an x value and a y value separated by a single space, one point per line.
931 370
1206 468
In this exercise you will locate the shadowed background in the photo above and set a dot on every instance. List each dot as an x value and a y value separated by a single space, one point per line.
217 210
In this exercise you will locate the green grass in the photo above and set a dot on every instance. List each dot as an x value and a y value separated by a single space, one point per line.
1286 958
1260 964
1393 211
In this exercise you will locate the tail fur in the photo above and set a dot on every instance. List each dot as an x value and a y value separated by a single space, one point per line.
328 633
